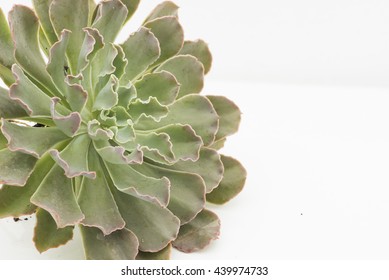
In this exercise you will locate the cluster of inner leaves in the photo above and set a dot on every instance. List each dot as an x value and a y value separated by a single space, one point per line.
125 146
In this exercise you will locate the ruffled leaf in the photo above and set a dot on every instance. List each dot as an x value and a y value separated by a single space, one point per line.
9 109
31 140
161 85
164 254
55 195
200 50
6 44
41 8
93 42
68 124
232 184
110 18
170 36
198 233
166 8
97 202
46 233
95 131
130 181
120 62
71 15
15 167
119 245
148 108
188 71
107 97
117 154
74 157
157 227
229 115
131 5
15 201
139 61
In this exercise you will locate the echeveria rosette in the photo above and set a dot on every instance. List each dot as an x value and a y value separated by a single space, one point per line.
124 145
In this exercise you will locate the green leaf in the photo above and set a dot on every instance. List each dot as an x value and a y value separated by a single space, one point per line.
24 29
74 157
95 131
6 44
9 109
41 8
117 154
232 183
218 144
157 227
187 191
46 233
28 95
6 75
131 5
150 108
15 201
110 18
194 110
71 15
107 97
161 85
120 62
200 50
164 254
188 71
170 36
15 167
31 140
93 42
166 8
209 166
119 245
55 195
139 61
97 202
198 233
229 115
129 181
69 124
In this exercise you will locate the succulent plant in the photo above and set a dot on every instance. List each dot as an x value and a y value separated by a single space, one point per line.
112 138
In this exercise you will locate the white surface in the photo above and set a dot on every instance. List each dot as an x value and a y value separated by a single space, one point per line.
317 156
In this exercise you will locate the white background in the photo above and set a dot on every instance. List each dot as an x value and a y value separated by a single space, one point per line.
312 81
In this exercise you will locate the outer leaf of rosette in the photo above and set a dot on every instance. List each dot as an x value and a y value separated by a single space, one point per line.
119 245
41 8
150 108
31 140
164 254
9 109
170 36
71 15
142 50
200 50
110 18
189 72
24 29
131 5
55 195
69 124
194 110
127 180
6 44
96 201
166 8
74 157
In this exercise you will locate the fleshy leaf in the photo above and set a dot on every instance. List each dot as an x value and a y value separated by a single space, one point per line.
218 144
46 233
194 110
229 115
161 85
96 201
71 15
55 195
15 167
6 75
69 124
164 254
24 29
148 108
188 71
198 233
232 183
31 140
6 44
110 17
187 191
200 50
95 131
107 97
170 36
209 166
138 61
41 7
120 62
131 182
119 245
131 5
117 154
158 226
15 201
74 157
9 109
93 42
166 8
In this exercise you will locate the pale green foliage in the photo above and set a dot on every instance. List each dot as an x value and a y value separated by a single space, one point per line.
124 146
